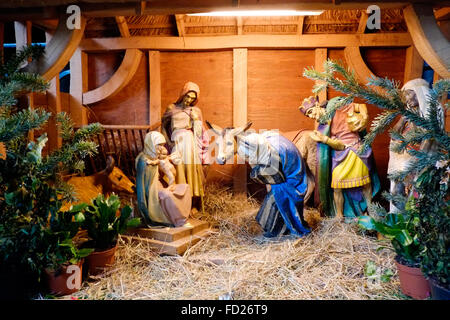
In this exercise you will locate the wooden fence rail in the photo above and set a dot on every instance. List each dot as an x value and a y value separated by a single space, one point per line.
124 143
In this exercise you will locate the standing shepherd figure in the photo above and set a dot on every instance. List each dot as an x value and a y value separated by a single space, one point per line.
352 176
275 162
416 92
182 125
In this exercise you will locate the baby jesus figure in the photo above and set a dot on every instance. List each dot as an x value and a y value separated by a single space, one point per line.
166 166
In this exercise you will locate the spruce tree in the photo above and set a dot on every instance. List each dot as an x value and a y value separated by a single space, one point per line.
430 203
32 189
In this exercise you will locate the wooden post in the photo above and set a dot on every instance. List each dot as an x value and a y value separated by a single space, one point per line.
78 85
154 111
179 18
23 38
413 64
321 55
239 25
240 110
54 106
2 40
301 20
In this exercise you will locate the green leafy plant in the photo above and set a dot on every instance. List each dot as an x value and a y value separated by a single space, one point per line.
400 229
431 168
64 238
104 223
31 184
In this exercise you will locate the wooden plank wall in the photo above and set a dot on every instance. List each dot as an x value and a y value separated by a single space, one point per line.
212 71
276 88
130 105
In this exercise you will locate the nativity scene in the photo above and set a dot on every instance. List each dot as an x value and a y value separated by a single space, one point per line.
158 151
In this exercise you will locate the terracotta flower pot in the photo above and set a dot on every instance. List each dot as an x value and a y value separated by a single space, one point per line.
413 282
98 261
438 292
67 281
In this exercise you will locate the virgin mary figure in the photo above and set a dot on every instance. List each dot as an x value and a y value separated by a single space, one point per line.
182 125
159 204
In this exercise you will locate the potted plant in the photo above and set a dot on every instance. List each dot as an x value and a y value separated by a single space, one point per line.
401 230
30 185
430 165
104 222
434 227
64 256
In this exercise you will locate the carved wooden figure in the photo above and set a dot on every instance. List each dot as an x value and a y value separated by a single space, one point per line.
159 202
416 92
338 164
107 181
277 163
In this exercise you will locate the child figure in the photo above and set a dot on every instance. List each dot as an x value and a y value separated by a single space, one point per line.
166 166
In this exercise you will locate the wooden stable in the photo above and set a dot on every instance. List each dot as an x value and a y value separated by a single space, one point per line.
129 60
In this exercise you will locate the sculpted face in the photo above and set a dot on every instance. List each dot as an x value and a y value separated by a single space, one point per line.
411 99
315 112
189 98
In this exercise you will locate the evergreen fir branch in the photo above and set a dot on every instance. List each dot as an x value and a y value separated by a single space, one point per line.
378 126
65 125
333 105
12 65
21 122
397 199
87 132
376 211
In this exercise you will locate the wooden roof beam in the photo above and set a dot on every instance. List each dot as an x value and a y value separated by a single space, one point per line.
59 50
356 63
428 39
248 41
120 78
123 26
179 18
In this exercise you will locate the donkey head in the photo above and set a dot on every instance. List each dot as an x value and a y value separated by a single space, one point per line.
226 140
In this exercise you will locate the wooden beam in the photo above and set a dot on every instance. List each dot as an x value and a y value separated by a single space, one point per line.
119 79
58 51
123 26
141 8
179 18
54 106
23 35
321 56
239 25
362 22
413 64
248 41
154 111
2 40
301 21
78 85
442 14
240 110
428 38
356 63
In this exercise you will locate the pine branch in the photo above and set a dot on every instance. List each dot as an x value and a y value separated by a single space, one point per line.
21 122
378 126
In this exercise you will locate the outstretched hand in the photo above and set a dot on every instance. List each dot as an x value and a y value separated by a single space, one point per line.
317 136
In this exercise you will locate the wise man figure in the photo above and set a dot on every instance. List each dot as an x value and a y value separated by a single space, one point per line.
346 179
182 126
416 92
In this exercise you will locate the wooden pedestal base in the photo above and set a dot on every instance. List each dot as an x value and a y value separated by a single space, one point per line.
171 241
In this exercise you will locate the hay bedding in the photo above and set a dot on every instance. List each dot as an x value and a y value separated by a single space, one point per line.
238 263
